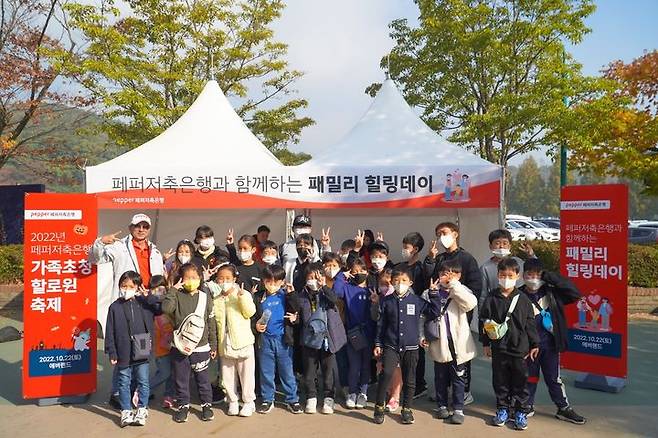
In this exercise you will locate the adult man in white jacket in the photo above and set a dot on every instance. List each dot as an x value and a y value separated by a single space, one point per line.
132 253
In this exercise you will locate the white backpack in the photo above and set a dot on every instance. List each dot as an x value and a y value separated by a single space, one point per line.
188 335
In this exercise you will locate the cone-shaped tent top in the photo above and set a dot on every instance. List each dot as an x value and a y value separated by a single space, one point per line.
209 134
390 133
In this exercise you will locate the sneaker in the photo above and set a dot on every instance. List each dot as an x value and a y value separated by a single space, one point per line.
265 407
407 416
520 421
351 401
295 408
361 401
531 413
328 406
168 402
442 413
311 405
114 402
420 392
127 418
141 416
468 398
568 414
233 409
393 405
247 409
218 395
378 418
182 413
456 418
500 418
206 412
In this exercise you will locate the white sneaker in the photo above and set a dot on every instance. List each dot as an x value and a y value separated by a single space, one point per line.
233 409
311 405
328 406
361 401
247 409
127 418
351 401
141 416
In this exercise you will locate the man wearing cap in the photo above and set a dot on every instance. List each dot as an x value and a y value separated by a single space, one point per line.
288 251
132 253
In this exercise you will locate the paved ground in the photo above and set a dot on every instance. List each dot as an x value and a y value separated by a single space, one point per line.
634 412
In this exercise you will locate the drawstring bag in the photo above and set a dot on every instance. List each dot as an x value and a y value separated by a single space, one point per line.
497 330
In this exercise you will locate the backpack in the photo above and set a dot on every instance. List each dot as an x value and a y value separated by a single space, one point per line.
189 334
316 331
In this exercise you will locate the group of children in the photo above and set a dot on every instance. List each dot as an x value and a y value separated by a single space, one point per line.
327 320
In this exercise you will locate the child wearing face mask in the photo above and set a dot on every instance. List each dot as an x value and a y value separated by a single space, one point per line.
131 314
277 309
164 331
398 339
549 292
352 288
249 270
346 249
178 304
184 254
234 306
270 253
509 347
449 340
209 254
322 335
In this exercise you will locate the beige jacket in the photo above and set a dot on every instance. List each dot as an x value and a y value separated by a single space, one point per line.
463 301
233 312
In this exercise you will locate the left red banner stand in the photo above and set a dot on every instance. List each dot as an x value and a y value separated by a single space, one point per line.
59 312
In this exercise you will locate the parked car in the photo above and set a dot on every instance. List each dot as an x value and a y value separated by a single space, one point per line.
517 232
541 231
648 224
643 235
550 223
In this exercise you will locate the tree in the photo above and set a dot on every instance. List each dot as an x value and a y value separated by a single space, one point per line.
30 31
146 66
492 72
615 132
527 191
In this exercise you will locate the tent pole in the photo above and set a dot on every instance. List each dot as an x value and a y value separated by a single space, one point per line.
501 202
155 227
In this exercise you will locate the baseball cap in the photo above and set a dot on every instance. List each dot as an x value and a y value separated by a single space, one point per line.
301 220
140 217
380 245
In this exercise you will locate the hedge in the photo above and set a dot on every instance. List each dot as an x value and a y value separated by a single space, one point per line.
642 262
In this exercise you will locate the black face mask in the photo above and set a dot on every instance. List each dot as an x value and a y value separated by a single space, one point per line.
303 253
359 278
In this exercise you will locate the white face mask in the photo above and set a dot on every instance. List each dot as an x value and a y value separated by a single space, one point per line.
506 283
184 259
379 263
270 260
331 272
272 288
533 283
127 293
406 254
312 284
244 255
207 243
401 289
226 287
500 252
447 240
301 230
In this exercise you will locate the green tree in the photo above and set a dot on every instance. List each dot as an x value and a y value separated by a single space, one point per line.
493 72
527 189
146 66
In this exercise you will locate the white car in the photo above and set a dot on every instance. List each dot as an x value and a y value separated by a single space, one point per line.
516 231
540 231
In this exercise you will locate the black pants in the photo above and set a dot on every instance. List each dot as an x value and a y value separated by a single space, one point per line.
510 375
467 377
408 361
197 364
449 374
313 358
420 370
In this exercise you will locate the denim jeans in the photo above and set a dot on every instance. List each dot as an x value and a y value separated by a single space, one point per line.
140 373
274 355
163 374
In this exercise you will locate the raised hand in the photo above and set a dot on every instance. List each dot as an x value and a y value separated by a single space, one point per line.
292 317
241 291
380 236
229 236
358 240
110 238
141 290
434 284
290 288
209 272
325 239
527 249
179 285
374 296
169 254
321 280
434 251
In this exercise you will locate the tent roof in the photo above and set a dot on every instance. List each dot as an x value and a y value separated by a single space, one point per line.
390 133
209 134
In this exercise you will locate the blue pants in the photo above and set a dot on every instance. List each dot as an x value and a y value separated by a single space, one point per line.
549 363
163 374
342 367
358 374
274 355
140 372
450 374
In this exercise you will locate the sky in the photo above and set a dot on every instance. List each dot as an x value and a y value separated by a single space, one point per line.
338 44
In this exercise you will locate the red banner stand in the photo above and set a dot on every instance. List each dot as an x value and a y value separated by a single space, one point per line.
594 255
